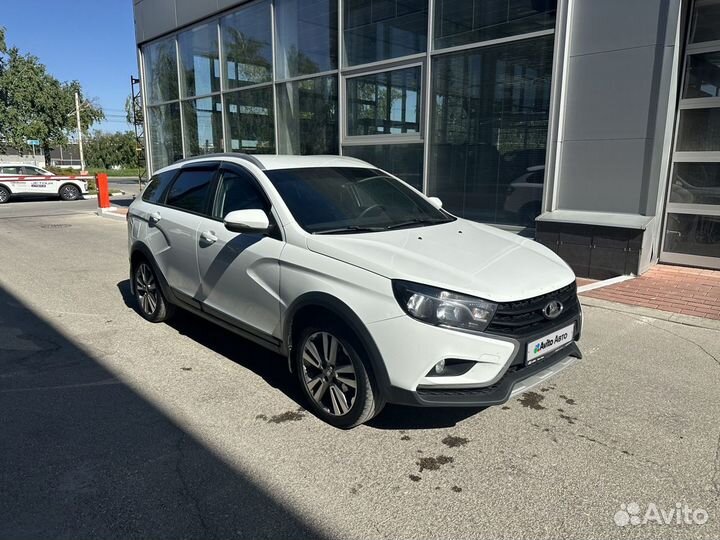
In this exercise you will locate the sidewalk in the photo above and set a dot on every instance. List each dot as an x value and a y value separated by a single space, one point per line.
675 289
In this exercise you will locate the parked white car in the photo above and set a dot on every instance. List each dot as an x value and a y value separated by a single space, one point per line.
22 179
373 292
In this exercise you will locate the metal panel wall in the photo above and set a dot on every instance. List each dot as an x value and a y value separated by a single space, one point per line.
620 57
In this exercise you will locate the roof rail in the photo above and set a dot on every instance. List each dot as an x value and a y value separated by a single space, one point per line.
247 157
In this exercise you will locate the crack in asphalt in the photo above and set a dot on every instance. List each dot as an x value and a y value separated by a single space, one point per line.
716 475
186 491
686 339
638 317
643 319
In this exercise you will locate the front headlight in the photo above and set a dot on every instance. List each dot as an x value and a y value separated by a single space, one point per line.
443 308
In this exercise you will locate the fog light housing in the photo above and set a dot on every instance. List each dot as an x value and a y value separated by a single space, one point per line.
450 367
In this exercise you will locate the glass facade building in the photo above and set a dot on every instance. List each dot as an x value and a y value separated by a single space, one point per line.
451 96
560 119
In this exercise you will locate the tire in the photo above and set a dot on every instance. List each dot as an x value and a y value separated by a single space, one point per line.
326 379
151 303
69 192
4 194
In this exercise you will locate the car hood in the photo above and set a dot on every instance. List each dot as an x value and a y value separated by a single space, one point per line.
461 256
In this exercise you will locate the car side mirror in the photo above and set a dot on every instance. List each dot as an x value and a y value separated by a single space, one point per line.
436 202
253 220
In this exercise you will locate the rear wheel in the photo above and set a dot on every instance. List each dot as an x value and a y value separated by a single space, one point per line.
4 194
69 192
334 378
149 297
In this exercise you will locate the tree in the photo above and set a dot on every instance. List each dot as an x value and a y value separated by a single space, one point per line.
106 150
35 105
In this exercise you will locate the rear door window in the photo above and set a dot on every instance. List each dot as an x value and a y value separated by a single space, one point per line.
190 190
157 186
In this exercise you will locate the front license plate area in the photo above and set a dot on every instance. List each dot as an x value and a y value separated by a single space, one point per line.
538 348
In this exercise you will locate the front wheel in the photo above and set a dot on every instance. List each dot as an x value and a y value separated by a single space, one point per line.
4 194
333 377
69 192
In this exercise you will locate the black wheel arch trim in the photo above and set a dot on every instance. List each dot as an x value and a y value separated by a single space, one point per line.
347 316
142 249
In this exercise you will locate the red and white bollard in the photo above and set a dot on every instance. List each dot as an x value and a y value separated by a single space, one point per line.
103 188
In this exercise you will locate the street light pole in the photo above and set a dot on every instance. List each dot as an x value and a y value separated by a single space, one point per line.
79 131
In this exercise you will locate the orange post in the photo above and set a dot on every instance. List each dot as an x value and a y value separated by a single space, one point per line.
103 188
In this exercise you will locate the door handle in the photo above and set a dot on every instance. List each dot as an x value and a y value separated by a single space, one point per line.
209 237
154 217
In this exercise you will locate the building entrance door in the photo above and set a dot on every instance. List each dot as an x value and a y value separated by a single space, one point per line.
692 220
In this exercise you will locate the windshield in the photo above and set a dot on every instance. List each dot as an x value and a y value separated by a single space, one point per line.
330 200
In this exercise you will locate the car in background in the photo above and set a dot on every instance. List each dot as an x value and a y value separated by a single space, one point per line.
369 288
523 197
29 180
20 169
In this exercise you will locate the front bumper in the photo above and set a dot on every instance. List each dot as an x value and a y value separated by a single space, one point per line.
514 382
410 349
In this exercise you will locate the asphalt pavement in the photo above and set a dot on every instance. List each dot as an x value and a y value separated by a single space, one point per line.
113 427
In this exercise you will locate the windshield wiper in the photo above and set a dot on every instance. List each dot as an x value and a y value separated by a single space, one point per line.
416 221
350 229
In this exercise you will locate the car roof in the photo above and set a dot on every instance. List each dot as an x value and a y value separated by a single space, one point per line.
270 162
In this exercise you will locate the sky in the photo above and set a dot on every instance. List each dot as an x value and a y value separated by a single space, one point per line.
92 41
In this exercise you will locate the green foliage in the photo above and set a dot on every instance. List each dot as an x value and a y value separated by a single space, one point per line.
133 117
106 150
35 105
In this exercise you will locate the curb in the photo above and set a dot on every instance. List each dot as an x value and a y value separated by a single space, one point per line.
669 316
111 213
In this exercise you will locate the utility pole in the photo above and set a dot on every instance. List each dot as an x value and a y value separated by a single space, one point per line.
79 131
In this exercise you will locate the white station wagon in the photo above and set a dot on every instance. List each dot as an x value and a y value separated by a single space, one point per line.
372 291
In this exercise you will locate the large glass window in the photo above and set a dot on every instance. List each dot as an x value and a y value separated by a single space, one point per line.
161 77
306 37
702 75
308 116
165 137
693 235
696 183
250 115
199 64
699 130
247 47
704 25
489 130
403 160
382 29
384 103
203 126
458 22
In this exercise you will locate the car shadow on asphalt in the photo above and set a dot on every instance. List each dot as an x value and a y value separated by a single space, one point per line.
264 363
123 201
85 455
273 369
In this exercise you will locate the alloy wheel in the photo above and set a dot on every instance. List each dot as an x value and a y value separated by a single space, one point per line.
146 289
69 193
329 374
4 196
